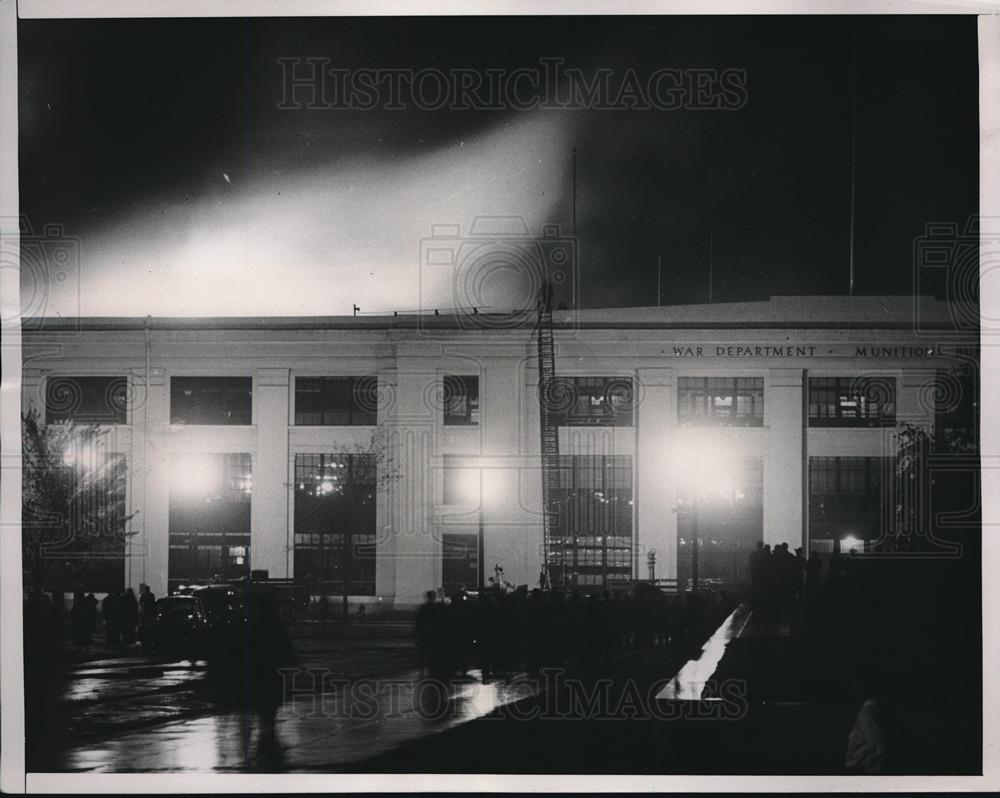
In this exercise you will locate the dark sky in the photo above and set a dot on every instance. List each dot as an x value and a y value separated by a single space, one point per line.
124 123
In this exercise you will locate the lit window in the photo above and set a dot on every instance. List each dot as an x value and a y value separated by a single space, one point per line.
852 402
846 496
720 401
591 401
335 521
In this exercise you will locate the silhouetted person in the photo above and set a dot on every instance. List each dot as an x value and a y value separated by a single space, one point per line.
130 615
800 574
814 575
836 562
427 633
112 623
91 605
147 612
268 649
768 580
784 574
79 622
757 566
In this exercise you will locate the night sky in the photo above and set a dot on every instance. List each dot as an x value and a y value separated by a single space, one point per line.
159 145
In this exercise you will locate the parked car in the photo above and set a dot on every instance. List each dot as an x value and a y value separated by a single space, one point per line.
179 625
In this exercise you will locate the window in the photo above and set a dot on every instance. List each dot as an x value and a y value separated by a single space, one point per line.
586 401
461 400
336 401
335 505
846 496
209 519
211 400
88 400
720 401
592 537
852 402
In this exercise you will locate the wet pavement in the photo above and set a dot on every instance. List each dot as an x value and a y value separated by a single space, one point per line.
359 705
117 710
316 731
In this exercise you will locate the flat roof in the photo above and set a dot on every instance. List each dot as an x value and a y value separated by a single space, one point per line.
891 312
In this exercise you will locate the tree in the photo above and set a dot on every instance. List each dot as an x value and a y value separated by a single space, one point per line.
917 495
73 504
337 501
913 445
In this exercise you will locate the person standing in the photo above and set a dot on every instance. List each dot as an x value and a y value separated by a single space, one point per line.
129 615
109 609
814 574
90 605
756 575
147 611
800 575
269 650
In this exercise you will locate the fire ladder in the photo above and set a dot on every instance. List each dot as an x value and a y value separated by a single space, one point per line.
549 433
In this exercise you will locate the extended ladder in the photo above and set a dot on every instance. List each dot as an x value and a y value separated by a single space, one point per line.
549 431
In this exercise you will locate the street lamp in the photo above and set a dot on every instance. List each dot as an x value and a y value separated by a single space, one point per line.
471 490
481 541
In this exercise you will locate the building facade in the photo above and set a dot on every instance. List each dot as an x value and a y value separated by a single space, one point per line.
381 457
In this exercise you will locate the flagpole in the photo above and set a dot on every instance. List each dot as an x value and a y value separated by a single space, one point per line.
854 136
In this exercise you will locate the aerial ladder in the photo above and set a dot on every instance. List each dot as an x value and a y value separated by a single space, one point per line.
552 578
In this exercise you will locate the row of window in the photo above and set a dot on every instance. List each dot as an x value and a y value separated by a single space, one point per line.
335 516
573 401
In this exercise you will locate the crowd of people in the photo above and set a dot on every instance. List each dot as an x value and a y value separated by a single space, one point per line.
121 616
779 578
502 632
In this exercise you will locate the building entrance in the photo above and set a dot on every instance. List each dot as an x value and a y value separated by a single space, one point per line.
726 518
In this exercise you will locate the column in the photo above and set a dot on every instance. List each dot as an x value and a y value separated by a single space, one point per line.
512 527
655 494
783 468
385 537
150 437
411 439
270 542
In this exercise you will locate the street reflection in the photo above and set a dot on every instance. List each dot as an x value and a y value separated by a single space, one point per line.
689 683
313 731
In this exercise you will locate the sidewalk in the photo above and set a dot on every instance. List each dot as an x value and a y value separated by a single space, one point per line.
328 731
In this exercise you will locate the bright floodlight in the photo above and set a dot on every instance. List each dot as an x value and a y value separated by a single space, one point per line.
468 485
194 475
850 543
475 484
702 463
